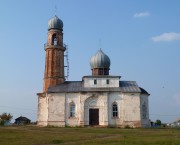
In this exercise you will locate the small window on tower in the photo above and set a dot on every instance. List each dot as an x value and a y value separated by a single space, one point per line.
107 81
100 72
95 82
106 72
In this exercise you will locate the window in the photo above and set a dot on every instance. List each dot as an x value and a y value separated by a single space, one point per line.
72 110
107 81
144 111
106 72
95 82
115 110
54 39
100 71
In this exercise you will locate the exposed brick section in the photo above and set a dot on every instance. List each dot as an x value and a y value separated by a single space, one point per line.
54 62
100 71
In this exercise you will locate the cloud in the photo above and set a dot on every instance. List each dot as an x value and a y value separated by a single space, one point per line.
167 37
142 14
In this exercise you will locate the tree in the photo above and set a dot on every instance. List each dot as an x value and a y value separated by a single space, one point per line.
5 117
158 122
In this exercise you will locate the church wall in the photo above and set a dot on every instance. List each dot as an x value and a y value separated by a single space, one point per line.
115 97
42 109
84 120
95 100
145 114
102 105
131 110
56 109
128 109
72 98
101 82
105 120
83 102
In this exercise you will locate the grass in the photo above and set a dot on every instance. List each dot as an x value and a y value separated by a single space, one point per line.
26 135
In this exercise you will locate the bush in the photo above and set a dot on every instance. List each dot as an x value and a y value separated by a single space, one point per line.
2 122
5 117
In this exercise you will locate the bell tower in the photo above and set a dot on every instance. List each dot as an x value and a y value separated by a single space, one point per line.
54 62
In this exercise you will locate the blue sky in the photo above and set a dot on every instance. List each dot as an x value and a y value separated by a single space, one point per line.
142 39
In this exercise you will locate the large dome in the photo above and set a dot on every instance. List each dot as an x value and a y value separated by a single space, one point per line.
100 60
55 23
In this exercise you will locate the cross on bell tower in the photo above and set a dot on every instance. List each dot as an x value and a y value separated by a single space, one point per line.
54 63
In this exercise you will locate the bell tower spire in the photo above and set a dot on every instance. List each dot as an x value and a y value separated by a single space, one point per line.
54 63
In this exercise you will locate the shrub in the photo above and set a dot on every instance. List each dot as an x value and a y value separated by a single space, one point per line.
5 117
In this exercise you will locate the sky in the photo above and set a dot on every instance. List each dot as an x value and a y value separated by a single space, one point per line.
141 38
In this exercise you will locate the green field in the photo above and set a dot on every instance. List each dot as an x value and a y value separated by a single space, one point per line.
24 135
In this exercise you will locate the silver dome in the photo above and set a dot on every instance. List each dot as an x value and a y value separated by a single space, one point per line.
100 60
55 23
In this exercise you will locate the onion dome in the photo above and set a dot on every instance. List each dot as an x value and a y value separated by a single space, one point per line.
55 23
100 60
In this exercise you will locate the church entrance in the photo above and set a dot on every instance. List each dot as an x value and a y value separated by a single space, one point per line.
93 116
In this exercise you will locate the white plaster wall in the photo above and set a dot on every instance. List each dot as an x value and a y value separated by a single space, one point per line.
145 121
115 97
95 100
56 109
73 98
128 109
131 107
101 82
82 103
83 97
42 110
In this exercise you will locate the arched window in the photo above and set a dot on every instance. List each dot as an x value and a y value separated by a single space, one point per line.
72 110
144 111
54 39
115 110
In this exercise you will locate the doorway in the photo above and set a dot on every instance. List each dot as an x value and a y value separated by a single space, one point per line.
93 116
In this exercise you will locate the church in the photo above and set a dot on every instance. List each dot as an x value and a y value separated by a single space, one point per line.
97 100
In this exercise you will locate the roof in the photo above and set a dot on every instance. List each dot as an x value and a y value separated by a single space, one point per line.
143 91
22 118
55 23
100 60
101 76
77 86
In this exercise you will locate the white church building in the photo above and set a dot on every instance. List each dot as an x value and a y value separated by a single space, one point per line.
97 100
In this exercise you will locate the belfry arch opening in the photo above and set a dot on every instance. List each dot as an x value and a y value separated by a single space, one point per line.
54 39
